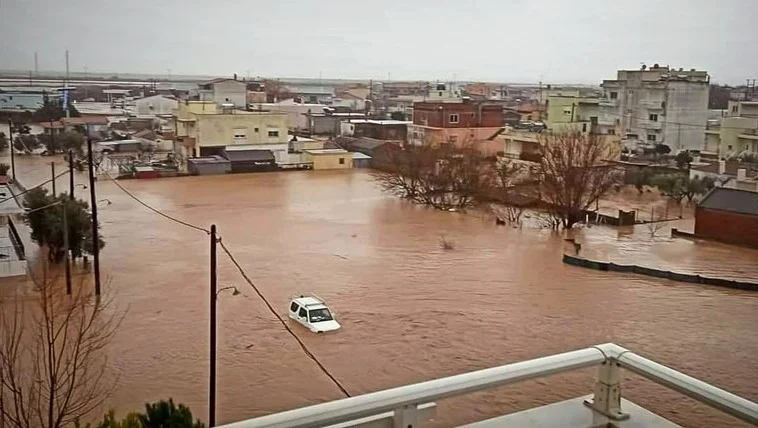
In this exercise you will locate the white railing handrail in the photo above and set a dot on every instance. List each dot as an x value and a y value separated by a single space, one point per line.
374 403
725 401
360 406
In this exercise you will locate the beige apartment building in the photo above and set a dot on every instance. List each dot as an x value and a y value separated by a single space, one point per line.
204 128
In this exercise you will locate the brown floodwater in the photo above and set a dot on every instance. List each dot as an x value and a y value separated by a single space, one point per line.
410 310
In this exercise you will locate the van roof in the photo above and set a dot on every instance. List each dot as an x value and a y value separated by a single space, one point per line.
309 301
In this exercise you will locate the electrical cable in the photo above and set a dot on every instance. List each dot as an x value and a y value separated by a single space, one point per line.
174 219
284 323
244 274
32 188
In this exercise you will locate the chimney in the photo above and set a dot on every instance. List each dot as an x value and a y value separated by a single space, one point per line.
722 166
741 174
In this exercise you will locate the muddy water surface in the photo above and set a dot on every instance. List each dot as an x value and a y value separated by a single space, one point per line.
410 310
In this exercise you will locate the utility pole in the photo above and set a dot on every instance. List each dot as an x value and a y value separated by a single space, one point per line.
71 174
36 64
66 250
52 174
212 375
13 158
93 202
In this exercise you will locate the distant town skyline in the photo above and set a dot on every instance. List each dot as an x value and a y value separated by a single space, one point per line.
497 41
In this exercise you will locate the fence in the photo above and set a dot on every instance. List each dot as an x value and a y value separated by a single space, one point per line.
657 273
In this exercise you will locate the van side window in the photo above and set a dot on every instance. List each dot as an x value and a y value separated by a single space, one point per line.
293 307
302 313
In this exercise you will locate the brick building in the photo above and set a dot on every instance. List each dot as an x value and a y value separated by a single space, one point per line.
728 215
457 122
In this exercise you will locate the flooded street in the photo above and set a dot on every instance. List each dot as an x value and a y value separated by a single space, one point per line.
410 310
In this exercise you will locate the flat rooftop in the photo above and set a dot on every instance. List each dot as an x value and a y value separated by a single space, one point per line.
9 204
326 151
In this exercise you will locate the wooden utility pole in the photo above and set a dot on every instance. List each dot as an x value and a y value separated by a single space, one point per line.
212 374
93 203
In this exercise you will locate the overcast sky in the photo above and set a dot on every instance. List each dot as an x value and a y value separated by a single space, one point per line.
494 40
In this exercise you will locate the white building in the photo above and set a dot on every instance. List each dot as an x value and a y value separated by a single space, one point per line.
657 105
156 105
224 91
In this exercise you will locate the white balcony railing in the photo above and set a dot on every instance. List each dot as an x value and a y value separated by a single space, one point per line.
409 406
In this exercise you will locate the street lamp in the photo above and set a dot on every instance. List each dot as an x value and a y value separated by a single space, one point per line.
214 299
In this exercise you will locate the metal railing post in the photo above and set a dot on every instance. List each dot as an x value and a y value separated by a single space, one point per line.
405 417
607 397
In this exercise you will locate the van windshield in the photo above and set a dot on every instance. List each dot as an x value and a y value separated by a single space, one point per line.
318 315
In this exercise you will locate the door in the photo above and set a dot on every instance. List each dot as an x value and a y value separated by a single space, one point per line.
294 307
302 317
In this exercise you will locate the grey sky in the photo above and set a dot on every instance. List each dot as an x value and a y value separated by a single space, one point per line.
493 40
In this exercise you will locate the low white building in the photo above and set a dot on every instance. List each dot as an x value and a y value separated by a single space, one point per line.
224 91
156 105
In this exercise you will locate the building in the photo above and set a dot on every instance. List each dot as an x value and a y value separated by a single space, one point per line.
210 165
530 111
459 122
728 215
297 113
329 158
224 91
576 112
392 130
743 109
204 128
360 160
517 144
19 99
329 122
12 255
156 105
657 105
250 158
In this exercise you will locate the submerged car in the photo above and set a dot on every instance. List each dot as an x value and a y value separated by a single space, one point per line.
313 313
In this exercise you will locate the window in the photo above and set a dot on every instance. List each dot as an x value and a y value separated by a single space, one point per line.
729 147
302 313
614 95
567 111
611 132
735 108
294 307
631 136
653 117
584 127
453 118
452 139
255 129
240 133
651 137
319 315
342 161
273 133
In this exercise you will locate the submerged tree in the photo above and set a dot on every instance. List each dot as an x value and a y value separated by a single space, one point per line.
441 176
574 173
47 224
53 360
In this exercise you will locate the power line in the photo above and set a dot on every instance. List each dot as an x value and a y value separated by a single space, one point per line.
174 219
244 274
32 188
284 324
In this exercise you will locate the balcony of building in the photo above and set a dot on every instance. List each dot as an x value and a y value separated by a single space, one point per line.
415 405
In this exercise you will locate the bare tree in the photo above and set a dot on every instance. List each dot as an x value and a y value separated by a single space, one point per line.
574 174
52 356
443 176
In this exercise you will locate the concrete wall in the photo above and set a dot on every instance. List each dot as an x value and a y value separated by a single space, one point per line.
686 105
296 113
233 91
330 160
220 130
725 226
731 128
155 105
469 114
